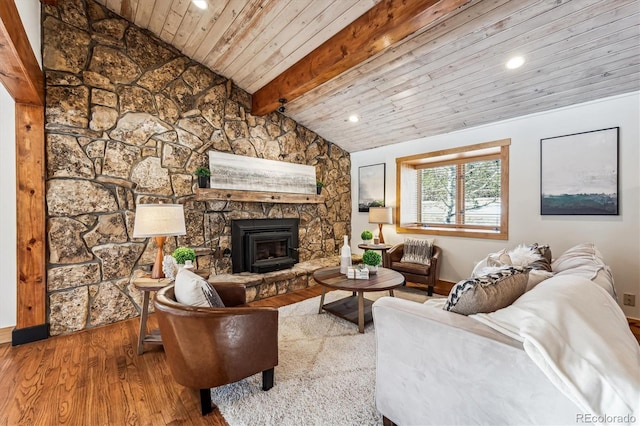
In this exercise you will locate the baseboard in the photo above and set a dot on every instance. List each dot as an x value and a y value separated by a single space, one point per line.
21 336
5 334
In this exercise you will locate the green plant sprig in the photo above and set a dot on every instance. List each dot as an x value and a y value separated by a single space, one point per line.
182 254
371 258
202 172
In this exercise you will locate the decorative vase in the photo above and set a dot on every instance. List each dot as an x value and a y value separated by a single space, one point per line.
188 264
366 242
373 269
345 256
203 181
318 190
169 267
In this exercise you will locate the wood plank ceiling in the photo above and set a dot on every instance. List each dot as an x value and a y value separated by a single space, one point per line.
445 77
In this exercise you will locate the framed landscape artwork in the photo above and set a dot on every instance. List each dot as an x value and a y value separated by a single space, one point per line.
579 173
371 180
238 172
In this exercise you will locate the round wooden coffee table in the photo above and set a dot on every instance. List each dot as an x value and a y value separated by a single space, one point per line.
355 308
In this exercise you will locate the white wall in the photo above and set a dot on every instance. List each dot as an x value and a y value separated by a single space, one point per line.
617 237
7 211
30 15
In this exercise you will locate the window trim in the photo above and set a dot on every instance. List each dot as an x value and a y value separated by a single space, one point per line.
458 155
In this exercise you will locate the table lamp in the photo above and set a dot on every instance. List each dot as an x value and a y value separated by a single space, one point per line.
159 221
380 215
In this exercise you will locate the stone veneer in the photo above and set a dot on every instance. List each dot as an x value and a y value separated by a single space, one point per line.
128 119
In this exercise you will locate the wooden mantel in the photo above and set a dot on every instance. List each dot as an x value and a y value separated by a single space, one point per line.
23 79
207 194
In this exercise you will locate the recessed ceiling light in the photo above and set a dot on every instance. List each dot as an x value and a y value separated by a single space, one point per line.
515 62
353 118
202 4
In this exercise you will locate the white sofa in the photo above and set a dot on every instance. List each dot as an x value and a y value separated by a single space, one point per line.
439 367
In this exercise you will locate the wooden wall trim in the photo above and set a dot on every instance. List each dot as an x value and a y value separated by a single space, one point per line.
30 213
23 79
19 69
385 24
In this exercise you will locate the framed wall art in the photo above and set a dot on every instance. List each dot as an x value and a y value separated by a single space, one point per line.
371 181
230 171
579 173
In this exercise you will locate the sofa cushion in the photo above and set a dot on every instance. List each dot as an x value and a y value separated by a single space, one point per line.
411 268
417 251
488 293
586 261
193 290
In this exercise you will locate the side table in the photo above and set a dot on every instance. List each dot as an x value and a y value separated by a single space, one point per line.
147 285
382 247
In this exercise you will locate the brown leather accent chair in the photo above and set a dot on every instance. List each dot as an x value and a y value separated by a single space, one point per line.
415 272
209 347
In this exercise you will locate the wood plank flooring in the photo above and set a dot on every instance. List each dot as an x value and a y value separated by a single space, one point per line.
94 377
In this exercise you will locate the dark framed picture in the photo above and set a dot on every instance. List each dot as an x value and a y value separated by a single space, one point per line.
371 181
579 173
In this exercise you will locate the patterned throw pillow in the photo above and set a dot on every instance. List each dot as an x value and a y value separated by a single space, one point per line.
417 251
193 290
543 264
488 293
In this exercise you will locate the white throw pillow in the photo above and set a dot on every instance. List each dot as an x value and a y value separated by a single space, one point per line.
520 256
523 255
193 290
492 263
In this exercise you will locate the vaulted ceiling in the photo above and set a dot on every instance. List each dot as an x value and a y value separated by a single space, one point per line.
445 76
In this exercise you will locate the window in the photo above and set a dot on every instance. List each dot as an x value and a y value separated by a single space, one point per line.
460 192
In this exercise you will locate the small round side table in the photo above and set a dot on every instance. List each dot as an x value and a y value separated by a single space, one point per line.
382 247
146 285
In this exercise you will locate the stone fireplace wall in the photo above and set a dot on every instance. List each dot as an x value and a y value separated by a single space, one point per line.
128 120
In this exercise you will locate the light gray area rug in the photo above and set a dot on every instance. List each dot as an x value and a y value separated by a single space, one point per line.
325 376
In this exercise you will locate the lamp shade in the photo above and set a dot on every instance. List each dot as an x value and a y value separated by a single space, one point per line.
155 220
380 215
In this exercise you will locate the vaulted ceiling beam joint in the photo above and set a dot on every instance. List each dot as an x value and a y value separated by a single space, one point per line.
382 26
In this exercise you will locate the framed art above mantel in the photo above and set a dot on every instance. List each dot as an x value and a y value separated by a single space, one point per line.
579 173
238 172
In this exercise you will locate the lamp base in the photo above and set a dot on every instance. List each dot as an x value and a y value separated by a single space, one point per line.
380 236
157 271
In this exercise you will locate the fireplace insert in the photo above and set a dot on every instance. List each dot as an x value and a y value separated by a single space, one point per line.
263 245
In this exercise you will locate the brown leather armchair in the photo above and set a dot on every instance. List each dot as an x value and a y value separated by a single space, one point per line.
415 272
209 347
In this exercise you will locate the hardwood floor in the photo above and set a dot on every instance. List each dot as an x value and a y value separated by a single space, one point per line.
95 377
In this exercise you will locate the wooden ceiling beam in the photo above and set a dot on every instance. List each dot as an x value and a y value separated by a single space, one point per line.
19 70
387 23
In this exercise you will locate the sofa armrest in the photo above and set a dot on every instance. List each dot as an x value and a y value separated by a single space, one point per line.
438 367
